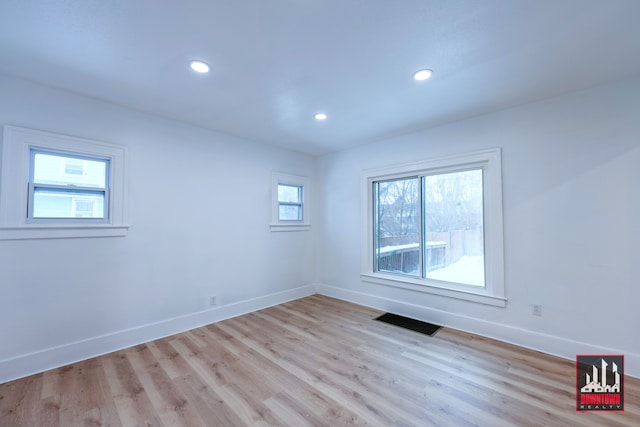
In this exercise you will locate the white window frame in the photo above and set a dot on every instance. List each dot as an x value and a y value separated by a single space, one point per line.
493 293
304 224
14 186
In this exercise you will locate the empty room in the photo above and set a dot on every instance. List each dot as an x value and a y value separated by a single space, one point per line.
340 212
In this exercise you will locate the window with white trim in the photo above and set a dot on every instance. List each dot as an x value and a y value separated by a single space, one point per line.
436 226
57 186
290 204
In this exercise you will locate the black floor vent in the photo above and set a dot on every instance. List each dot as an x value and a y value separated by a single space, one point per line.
408 323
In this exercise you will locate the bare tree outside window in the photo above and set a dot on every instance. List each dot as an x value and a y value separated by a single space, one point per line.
397 228
431 226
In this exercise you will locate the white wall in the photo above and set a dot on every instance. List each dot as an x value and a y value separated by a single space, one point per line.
571 174
571 209
199 210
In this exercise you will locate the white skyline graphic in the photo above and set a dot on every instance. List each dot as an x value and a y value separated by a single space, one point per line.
594 386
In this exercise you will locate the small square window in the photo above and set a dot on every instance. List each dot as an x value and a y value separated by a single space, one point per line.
290 203
64 186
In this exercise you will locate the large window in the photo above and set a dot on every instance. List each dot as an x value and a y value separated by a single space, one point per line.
436 226
57 186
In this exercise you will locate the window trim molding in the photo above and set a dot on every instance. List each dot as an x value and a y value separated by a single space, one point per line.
278 178
14 189
493 293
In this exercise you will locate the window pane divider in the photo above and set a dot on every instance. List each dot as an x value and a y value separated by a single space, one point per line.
68 188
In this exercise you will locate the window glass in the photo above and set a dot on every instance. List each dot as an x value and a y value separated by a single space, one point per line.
289 202
61 203
290 213
61 169
454 230
431 226
73 167
397 226
436 226
66 186
289 193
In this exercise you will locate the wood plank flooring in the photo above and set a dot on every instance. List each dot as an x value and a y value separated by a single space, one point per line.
311 362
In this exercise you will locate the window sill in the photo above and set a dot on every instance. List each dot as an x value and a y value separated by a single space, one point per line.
432 287
290 227
62 232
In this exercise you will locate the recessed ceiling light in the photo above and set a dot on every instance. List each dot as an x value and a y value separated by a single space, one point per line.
422 74
320 116
200 67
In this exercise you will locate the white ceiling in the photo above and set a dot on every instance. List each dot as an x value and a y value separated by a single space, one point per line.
277 62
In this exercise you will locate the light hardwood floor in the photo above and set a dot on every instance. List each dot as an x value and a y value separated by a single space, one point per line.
311 362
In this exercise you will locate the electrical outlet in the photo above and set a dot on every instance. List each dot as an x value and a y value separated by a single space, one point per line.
537 310
213 301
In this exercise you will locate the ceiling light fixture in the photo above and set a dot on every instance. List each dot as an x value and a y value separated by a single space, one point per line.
200 67
422 74
320 116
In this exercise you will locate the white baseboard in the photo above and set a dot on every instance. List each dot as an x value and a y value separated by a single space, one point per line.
50 358
40 361
550 344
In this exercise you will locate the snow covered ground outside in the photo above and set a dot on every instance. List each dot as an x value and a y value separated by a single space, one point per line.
387 249
468 270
